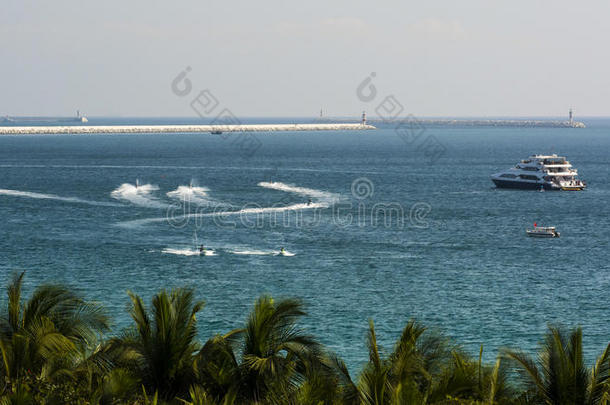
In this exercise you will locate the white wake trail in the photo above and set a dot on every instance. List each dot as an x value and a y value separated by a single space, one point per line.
254 252
244 212
29 194
321 196
323 200
263 252
188 252
138 195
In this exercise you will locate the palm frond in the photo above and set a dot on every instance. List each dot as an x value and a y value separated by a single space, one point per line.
14 301
531 375
600 377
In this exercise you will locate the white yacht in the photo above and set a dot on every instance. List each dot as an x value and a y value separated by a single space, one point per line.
540 172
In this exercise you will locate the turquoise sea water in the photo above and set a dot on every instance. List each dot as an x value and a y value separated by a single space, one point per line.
460 262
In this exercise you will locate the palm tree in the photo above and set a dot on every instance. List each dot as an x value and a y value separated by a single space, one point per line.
217 369
407 375
424 369
45 335
275 351
336 373
375 383
559 375
468 380
267 361
419 359
159 349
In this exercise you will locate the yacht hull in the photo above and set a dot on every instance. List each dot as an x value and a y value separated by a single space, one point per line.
523 185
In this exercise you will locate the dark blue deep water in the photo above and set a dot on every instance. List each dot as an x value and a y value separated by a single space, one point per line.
458 260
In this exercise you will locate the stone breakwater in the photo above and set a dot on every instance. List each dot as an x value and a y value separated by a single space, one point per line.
506 123
448 122
216 129
492 123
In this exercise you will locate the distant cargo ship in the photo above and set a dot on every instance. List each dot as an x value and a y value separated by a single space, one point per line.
79 118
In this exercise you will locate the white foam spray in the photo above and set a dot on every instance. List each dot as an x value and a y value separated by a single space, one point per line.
323 200
191 194
138 194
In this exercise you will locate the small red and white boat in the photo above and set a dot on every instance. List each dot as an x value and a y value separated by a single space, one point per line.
542 232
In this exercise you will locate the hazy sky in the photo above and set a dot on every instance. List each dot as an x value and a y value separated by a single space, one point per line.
286 58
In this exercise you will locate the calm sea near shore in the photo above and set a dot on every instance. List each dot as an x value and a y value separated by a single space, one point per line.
460 262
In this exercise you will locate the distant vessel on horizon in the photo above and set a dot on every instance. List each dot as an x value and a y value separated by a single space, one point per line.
83 119
540 172
79 118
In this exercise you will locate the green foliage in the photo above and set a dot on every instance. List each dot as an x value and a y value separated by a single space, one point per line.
275 351
52 354
158 350
559 375
44 342
270 359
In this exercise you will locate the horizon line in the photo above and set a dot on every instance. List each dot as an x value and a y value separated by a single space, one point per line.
315 117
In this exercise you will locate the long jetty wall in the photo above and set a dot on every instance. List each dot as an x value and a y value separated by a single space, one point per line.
505 123
136 129
462 122
491 123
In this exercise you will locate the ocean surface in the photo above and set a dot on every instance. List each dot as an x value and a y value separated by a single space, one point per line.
380 225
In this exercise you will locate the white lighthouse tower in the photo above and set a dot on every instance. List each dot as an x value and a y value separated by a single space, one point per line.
363 117
571 117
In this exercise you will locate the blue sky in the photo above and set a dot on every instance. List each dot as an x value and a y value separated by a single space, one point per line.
282 58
